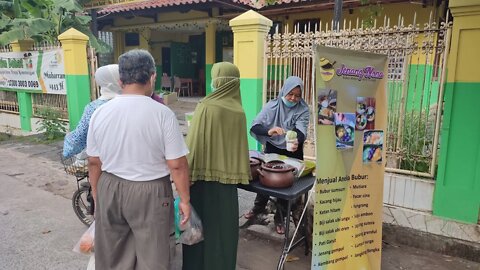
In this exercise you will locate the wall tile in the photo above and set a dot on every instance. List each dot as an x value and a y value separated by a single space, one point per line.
435 225
386 188
400 217
387 216
418 222
399 195
472 231
423 199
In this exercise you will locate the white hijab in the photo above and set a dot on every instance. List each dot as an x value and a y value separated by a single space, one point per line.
108 79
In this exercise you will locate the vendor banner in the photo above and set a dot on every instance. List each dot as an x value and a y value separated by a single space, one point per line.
41 71
351 115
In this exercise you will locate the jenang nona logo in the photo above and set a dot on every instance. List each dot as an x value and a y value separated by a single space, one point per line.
326 69
55 60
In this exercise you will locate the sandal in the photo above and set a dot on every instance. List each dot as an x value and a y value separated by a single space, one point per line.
280 228
250 214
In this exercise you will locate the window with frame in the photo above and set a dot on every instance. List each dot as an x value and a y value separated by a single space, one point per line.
106 58
132 39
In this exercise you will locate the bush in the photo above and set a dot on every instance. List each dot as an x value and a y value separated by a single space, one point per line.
416 142
50 124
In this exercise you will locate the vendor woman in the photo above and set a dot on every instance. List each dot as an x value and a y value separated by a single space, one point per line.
287 112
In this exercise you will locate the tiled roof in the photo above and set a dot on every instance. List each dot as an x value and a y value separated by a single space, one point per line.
139 5
262 3
147 5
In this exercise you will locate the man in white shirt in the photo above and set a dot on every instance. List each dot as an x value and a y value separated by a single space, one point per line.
134 146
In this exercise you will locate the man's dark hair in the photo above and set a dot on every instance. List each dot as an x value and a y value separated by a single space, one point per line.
136 66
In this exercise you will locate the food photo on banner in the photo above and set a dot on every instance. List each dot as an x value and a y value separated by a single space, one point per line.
344 130
372 146
365 114
327 106
347 231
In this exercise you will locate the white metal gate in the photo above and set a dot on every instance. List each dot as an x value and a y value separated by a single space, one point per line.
416 75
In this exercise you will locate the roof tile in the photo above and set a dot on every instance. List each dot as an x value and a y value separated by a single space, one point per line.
263 3
258 4
147 5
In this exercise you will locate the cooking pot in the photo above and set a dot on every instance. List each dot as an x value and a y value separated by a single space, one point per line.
255 164
276 174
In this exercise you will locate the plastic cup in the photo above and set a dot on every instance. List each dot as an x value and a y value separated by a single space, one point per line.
291 144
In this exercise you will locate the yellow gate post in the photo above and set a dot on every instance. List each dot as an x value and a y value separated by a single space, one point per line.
210 37
249 32
457 187
74 45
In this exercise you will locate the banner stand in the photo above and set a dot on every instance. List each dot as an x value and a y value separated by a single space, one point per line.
351 117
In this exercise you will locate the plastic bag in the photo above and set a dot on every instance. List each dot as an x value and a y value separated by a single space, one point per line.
193 230
177 218
86 243
190 233
91 263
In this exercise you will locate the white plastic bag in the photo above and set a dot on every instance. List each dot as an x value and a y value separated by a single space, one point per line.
192 231
86 243
91 263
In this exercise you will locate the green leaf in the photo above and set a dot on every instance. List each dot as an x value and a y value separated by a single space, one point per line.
38 26
9 36
4 21
83 19
26 28
17 11
35 25
50 123
6 5
32 10
68 5
43 20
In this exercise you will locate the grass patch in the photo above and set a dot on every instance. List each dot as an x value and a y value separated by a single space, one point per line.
31 139
5 137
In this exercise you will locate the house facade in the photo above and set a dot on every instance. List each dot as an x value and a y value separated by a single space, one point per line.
186 36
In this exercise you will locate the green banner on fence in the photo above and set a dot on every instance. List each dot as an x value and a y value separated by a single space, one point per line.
33 71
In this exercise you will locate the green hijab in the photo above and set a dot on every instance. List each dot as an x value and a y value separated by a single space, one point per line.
217 138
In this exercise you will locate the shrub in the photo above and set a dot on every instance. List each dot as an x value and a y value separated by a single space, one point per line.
50 124
415 149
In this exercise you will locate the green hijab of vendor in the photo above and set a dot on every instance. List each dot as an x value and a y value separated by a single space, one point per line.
217 138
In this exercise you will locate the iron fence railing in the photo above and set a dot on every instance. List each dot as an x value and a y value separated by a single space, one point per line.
6 48
46 45
55 102
416 75
9 102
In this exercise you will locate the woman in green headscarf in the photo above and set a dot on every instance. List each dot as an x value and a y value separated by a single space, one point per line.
218 161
